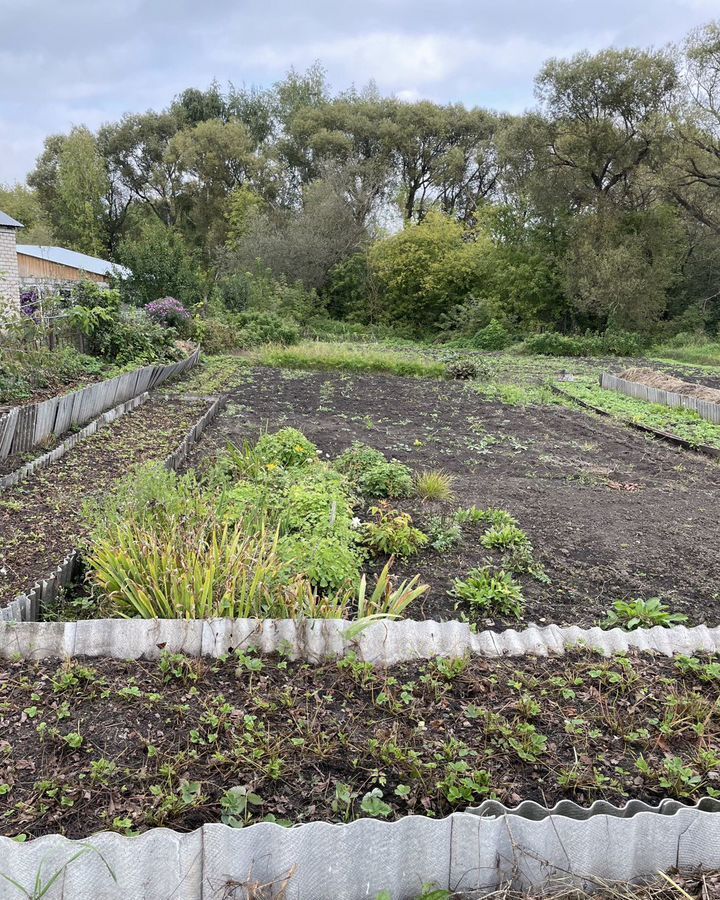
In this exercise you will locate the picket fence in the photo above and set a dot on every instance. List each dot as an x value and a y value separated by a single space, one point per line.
705 408
25 427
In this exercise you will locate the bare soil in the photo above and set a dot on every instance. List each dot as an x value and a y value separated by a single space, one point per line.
611 514
41 518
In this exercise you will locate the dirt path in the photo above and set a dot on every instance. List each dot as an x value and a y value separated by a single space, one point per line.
40 519
610 513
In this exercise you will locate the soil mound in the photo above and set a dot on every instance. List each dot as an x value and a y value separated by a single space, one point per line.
669 383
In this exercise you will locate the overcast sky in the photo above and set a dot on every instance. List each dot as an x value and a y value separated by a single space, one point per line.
88 61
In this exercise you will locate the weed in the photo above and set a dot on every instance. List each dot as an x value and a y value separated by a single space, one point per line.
632 614
490 591
392 533
443 533
504 537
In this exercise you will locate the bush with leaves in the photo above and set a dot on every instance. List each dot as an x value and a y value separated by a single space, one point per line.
372 475
392 533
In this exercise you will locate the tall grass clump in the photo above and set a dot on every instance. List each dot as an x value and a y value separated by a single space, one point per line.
351 358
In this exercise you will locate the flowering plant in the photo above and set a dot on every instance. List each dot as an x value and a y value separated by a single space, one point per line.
30 304
168 312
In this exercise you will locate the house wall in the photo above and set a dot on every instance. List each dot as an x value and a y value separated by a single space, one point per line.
9 275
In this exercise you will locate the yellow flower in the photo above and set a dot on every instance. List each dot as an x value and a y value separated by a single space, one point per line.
299 449
271 466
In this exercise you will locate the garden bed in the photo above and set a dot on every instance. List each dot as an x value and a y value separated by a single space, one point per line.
41 519
609 514
100 744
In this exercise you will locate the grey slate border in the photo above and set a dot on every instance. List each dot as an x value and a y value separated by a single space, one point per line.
25 607
322 861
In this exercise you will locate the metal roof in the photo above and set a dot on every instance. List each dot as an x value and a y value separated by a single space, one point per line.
73 260
8 222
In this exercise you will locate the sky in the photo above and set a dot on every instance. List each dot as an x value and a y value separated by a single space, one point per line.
73 62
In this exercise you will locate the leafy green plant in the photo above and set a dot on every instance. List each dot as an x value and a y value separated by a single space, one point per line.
443 533
503 537
373 805
434 484
392 533
189 571
638 613
462 784
236 806
287 447
490 591
372 475
388 598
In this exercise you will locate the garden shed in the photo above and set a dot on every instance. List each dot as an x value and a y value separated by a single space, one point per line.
56 270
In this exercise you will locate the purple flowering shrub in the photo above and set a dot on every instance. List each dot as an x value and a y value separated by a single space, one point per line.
30 304
168 312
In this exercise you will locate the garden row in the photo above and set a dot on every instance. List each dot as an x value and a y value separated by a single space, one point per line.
342 499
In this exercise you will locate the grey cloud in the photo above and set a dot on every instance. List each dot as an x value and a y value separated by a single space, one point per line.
83 61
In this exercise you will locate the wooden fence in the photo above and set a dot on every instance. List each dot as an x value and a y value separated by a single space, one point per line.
705 408
24 427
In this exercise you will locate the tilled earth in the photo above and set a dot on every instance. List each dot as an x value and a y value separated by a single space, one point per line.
41 518
611 514
94 744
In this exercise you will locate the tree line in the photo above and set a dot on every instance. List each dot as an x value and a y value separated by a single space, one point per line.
597 209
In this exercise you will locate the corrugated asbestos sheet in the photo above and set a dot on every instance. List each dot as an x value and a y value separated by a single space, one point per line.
319 861
25 427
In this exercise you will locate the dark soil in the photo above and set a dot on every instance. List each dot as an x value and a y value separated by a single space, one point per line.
88 745
611 514
41 518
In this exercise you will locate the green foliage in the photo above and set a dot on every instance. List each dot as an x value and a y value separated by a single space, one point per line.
616 343
464 369
504 537
491 592
161 265
638 613
351 358
494 336
435 484
388 598
392 533
424 270
372 475
285 448
443 533
25 371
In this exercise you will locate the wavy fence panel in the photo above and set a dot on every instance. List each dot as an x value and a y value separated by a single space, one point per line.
26 607
465 852
25 427
704 408
314 640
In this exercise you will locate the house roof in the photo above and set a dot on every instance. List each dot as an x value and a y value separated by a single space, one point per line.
8 222
73 260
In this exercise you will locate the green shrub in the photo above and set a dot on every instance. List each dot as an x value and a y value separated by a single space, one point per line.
493 336
287 447
329 561
392 533
490 591
611 343
372 475
215 336
254 328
